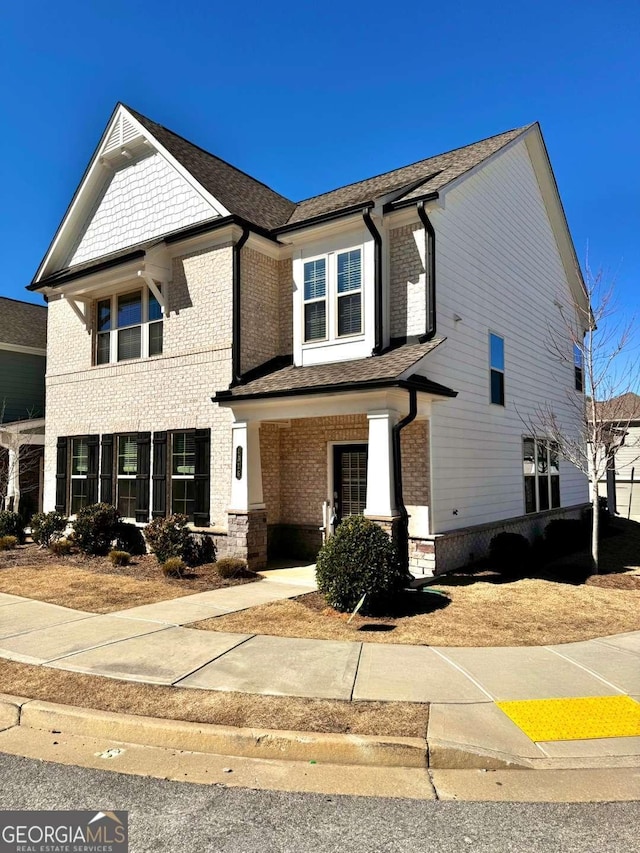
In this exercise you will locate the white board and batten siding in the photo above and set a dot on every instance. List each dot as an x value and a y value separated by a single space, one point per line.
499 270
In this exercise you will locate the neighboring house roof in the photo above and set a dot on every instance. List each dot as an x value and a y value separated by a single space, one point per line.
240 193
23 323
387 369
625 407
419 179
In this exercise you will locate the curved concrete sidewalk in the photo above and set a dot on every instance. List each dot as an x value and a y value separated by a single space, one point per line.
149 644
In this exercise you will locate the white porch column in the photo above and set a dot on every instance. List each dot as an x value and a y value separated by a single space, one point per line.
380 477
13 483
246 471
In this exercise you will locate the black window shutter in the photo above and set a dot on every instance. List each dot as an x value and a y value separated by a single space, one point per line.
159 506
106 470
143 440
93 444
201 478
62 455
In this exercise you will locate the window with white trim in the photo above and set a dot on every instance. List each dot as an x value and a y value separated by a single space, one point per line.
183 469
129 325
79 473
496 359
578 367
541 468
333 296
127 474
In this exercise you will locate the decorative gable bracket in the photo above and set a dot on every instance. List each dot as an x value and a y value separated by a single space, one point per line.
81 308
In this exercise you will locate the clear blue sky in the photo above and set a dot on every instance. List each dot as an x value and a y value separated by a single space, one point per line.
307 97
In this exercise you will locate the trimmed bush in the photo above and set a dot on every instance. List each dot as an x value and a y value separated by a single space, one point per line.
565 536
61 547
11 524
231 567
120 558
509 553
46 527
170 537
8 543
95 528
174 567
129 538
359 558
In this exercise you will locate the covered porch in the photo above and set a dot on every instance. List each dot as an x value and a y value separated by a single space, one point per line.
21 466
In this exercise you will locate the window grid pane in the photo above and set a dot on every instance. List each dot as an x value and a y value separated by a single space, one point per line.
80 457
353 473
104 315
349 314
497 388
127 455
184 454
497 352
103 350
315 321
79 496
155 312
349 271
129 343
127 498
130 309
183 497
315 279
155 338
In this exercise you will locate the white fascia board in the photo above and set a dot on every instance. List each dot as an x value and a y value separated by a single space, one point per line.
311 233
22 349
95 176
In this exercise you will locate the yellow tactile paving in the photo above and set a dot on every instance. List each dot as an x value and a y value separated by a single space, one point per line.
575 719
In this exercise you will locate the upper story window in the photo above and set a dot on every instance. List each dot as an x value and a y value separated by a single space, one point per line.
496 357
578 367
129 325
333 296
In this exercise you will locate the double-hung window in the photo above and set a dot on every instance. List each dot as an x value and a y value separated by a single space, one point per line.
496 357
129 325
333 296
79 473
127 473
183 469
541 468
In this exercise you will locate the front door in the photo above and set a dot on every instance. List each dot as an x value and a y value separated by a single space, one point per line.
349 479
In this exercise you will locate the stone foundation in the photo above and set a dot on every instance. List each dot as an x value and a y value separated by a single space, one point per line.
247 538
446 552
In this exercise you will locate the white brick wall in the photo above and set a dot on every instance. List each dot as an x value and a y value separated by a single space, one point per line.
145 199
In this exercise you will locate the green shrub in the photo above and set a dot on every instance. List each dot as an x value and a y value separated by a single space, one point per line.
8 543
170 537
11 524
509 553
95 528
120 558
359 558
129 538
46 527
174 567
231 567
565 536
61 547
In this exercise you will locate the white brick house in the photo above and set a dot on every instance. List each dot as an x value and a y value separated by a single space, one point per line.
268 367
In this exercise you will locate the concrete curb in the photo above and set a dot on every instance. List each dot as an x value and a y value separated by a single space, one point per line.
358 750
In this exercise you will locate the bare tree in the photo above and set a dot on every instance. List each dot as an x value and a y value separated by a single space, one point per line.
598 341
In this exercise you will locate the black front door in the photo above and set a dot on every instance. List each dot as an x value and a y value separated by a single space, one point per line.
349 479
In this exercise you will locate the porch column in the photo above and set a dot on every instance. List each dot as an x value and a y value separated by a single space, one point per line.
247 536
13 482
381 502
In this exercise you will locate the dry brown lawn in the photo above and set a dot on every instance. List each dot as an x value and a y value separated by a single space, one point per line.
94 585
393 719
484 608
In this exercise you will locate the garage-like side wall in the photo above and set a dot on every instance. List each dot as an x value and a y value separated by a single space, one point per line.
171 391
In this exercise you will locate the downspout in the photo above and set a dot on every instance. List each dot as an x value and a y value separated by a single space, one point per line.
430 265
236 343
377 279
403 533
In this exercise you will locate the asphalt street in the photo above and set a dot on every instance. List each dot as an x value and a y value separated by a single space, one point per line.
175 817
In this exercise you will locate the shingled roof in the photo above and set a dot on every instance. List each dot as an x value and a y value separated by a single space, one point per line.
239 193
23 323
386 369
626 407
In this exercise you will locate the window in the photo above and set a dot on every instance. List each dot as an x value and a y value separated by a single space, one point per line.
496 357
578 367
183 469
541 468
79 473
127 473
333 296
128 326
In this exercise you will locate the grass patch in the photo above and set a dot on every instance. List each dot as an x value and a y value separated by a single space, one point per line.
392 719
95 585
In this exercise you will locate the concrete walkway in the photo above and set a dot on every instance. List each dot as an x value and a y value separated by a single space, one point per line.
149 644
